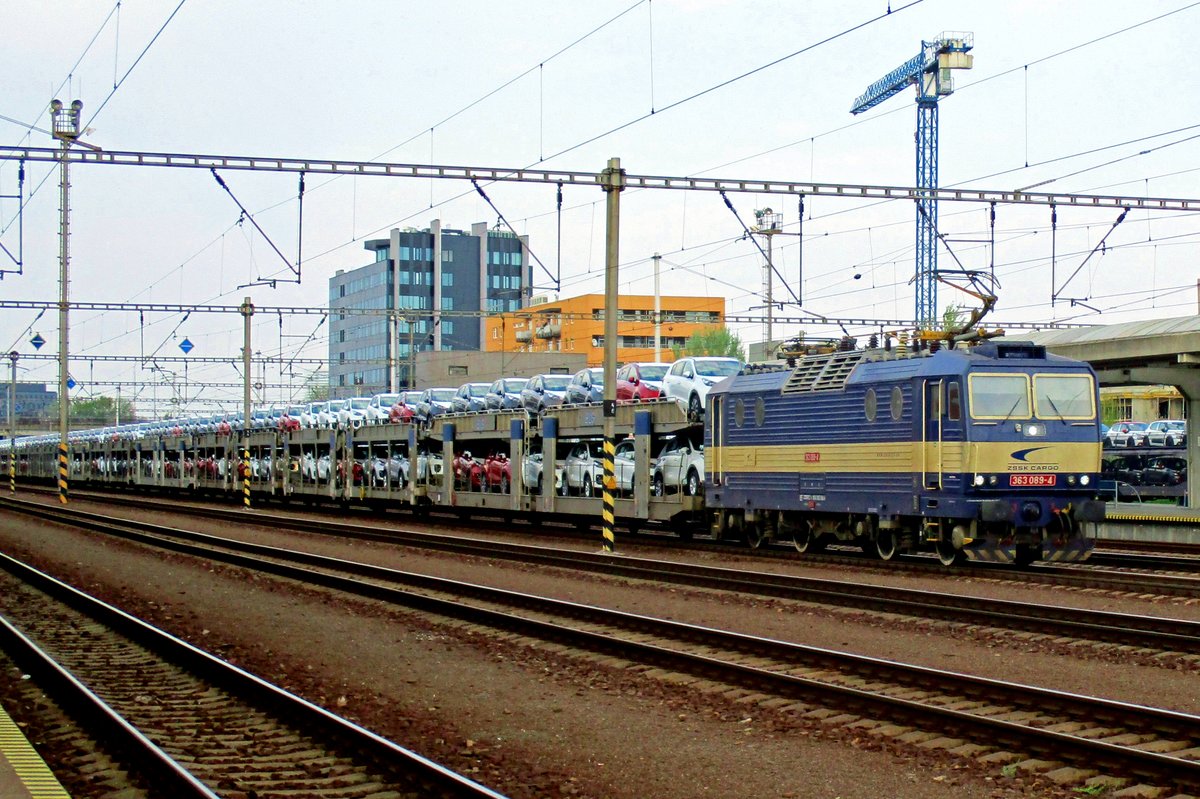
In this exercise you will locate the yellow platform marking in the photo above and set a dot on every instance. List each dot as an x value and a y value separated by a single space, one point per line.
32 771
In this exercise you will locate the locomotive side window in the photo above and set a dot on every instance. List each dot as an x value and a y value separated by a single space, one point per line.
871 404
998 396
760 412
1064 396
897 403
739 412
954 401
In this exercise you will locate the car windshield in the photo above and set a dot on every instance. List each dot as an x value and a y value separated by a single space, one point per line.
556 382
409 397
720 368
654 372
1064 396
360 403
337 405
514 386
597 376
442 394
295 410
388 400
478 389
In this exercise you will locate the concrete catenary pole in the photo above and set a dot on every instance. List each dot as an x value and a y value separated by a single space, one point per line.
614 183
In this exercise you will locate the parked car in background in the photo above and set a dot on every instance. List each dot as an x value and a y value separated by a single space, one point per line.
379 409
505 393
434 402
587 385
544 391
470 397
689 379
583 470
1166 433
1169 470
1126 434
640 381
679 467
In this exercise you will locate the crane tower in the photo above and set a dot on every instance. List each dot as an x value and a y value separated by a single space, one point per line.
930 72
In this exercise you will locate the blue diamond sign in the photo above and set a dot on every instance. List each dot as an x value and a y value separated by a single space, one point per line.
186 345
71 382
37 341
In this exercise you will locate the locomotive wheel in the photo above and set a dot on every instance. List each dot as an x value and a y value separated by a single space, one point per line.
885 544
804 540
947 555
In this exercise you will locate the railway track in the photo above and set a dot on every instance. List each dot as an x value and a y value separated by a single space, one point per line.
187 724
1111 573
933 708
1142 632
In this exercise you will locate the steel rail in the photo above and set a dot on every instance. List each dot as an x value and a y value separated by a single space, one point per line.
1155 766
431 778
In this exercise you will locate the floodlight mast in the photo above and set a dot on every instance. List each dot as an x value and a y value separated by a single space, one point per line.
930 72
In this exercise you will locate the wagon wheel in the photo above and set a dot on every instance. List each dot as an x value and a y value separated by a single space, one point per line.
886 545
1026 554
754 535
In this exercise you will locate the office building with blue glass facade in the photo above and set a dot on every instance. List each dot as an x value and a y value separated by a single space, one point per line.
426 290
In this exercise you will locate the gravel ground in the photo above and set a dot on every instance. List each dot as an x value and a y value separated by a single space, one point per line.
532 722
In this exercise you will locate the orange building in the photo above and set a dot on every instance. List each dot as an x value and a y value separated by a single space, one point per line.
576 325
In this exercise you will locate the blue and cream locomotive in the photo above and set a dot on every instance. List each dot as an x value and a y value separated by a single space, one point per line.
990 453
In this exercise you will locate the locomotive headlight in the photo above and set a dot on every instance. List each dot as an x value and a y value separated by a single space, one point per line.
1035 430
992 480
1085 480
979 479
1070 479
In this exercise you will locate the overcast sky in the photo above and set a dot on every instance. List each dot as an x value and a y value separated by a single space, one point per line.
1094 96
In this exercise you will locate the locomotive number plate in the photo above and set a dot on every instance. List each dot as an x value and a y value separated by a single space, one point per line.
1032 479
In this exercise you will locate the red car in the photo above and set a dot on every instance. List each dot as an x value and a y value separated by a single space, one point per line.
640 381
287 424
497 472
400 412
468 472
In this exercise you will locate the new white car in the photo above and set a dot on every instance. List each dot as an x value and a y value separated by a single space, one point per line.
689 379
583 470
353 413
680 467
379 409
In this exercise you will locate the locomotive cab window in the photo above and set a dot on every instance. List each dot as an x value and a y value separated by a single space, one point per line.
998 396
954 401
1064 396
870 404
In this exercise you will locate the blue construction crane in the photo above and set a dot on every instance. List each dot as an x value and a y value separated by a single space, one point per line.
929 71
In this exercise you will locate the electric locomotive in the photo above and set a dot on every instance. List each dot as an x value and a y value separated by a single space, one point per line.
990 452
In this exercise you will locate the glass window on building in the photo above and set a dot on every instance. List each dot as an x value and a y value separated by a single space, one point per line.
447 303
447 278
